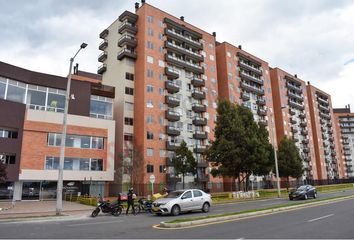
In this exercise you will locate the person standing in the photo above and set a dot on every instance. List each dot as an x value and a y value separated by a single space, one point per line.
131 197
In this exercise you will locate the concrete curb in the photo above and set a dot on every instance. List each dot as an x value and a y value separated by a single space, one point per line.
251 214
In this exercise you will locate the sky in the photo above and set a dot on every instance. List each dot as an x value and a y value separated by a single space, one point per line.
311 38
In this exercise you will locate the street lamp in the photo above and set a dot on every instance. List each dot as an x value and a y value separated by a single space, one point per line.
59 207
275 153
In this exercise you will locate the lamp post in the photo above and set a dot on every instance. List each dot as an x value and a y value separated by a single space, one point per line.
59 206
275 154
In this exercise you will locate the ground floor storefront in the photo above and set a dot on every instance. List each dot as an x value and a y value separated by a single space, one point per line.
47 190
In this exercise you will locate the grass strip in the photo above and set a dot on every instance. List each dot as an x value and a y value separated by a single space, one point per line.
179 220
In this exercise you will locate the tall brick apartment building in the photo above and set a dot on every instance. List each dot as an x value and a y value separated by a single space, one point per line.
164 72
31 107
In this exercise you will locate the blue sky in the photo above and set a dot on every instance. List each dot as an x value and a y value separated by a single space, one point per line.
313 39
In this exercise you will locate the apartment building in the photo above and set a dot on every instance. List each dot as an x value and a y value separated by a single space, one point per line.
292 116
164 73
32 106
344 124
324 134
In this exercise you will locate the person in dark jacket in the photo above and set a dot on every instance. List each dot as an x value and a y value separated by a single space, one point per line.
130 201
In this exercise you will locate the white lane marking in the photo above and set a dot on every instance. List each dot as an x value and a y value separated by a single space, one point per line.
93 223
315 219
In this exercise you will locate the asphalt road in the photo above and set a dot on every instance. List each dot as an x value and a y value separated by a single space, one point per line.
293 224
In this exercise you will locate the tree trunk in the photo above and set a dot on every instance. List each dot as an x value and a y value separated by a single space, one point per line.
239 183
288 184
183 180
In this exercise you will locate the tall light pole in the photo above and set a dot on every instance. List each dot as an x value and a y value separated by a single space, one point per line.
59 207
275 153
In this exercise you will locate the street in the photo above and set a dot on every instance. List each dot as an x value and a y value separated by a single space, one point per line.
327 221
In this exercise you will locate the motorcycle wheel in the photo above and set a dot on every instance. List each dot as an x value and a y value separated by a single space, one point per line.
136 209
95 212
117 211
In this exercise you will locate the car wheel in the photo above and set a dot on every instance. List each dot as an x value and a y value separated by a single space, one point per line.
175 210
315 195
305 197
206 207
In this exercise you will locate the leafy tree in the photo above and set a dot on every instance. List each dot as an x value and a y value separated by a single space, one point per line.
132 164
3 175
241 146
289 160
184 162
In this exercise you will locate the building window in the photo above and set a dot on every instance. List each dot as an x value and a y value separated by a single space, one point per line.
212 58
150 59
161 36
161 63
129 76
150 73
150 168
162 153
162 91
162 136
162 106
149 135
150 45
101 107
149 119
189 127
149 88
3 84
150 19
162 121
150 32
74 164
128 121
161 77
129 91
161 49
7 133
129 106
76 141
7 158
128 137
228 54
150 152
149 104
162 168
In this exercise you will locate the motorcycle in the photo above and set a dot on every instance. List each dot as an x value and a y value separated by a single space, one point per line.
144 205
107 207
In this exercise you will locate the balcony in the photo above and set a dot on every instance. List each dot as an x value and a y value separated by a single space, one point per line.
262 112
172 101
195 68
295 139
172 131
246 76
332 146
307 158
101 69
195 44
125 52
292 111
325 115
171 73
308 168
325 144
293 120
333 154
128 16
104 34
172 116
294 95
348 159
196 107
331 139
103 45
302 115
294 87
200 135
171 146
127 27
295 104
247 66
200 95
199 121
324 136
199 148
347 153
202 164
323 101
303 124
294 130
330 131
304 132
261 101
250 88
345 137
329 124
127 40
184 51
197 82
263 122
305 141
327 159
322 121
245 96
323 108
326 152
102 57
171 87
346 147
169 162
173 178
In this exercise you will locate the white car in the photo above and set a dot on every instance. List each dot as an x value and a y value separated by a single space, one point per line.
182 201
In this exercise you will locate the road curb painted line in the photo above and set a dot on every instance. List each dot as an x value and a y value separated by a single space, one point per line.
166 225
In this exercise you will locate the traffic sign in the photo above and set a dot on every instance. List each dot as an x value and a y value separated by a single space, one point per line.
152 178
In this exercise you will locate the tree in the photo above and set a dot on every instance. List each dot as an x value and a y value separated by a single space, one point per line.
241 146
132 164
3 175
289 160
184 162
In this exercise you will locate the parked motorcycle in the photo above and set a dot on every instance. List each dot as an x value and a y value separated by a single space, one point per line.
106 207
144 205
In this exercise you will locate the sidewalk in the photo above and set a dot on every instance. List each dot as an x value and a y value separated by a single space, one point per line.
41 208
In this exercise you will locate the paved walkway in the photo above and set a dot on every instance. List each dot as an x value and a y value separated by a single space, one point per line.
41 208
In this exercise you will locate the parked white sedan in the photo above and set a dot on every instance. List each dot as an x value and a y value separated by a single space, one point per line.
182 201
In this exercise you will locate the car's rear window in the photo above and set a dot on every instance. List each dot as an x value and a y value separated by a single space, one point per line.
197 193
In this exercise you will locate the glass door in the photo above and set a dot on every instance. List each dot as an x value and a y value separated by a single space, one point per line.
30 190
